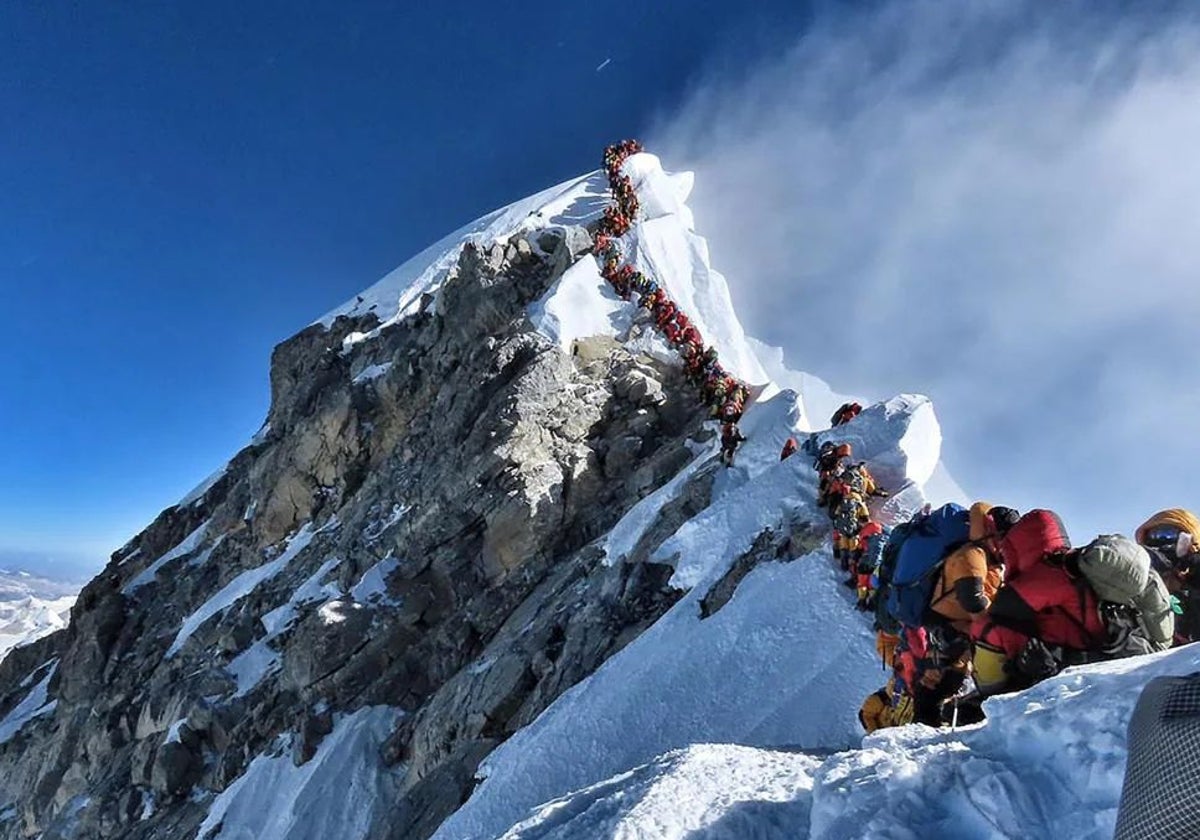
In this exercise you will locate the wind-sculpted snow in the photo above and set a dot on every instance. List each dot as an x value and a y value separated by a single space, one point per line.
1047 765
705 792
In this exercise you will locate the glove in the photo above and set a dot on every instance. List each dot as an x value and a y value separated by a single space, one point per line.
1036 661
931 678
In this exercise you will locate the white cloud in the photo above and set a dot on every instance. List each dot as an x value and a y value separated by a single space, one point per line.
992 203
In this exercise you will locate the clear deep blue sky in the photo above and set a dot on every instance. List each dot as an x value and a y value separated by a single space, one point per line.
182 186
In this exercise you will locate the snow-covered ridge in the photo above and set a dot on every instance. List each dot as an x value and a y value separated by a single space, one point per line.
664 246
575 202
787 661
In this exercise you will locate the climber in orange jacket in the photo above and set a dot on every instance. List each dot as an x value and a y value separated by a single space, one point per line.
973 573
846 413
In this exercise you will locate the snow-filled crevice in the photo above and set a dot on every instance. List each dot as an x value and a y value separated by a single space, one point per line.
336 794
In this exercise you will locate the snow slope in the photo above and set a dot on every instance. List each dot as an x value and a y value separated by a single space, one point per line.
705 791
1048 764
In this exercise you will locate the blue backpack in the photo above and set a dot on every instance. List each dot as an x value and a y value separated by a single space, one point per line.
919 559
873 559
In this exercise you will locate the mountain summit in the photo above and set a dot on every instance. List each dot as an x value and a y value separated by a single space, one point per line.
481 555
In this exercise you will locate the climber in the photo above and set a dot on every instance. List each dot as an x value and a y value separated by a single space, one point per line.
965 583
856 478
789 449
731 438
1062 607
933 664
845 414
971 574
885 707
849 518
1039 605
871 540
1173 539
664 312
653 299
829 465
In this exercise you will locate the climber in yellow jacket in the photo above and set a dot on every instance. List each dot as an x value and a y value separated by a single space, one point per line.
884 708
1173 538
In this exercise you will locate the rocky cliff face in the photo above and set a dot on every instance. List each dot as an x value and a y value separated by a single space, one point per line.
412 535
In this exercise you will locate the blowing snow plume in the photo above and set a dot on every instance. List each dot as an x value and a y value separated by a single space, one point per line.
992 203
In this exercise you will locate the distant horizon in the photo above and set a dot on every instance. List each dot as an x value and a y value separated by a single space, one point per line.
60 567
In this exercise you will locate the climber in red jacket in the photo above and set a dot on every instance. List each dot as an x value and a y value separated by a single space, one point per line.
789 449
1043 604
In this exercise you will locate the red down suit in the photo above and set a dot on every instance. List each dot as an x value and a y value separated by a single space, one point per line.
1040 597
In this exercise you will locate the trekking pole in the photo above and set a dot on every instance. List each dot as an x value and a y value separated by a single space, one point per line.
954 715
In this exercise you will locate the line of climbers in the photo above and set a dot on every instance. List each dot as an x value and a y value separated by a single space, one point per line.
725 395
971 603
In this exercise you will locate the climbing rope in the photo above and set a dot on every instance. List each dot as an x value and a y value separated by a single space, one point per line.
724 394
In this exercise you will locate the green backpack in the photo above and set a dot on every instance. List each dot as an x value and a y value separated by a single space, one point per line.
1119 572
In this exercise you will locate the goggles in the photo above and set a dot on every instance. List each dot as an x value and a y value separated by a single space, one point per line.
1162 536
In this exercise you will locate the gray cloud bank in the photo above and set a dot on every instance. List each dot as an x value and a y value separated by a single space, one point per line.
992 203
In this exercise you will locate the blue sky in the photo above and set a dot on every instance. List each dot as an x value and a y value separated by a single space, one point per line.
182 186
986 201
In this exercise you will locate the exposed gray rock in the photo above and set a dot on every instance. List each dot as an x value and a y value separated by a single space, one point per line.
796 540
478 469
176 768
